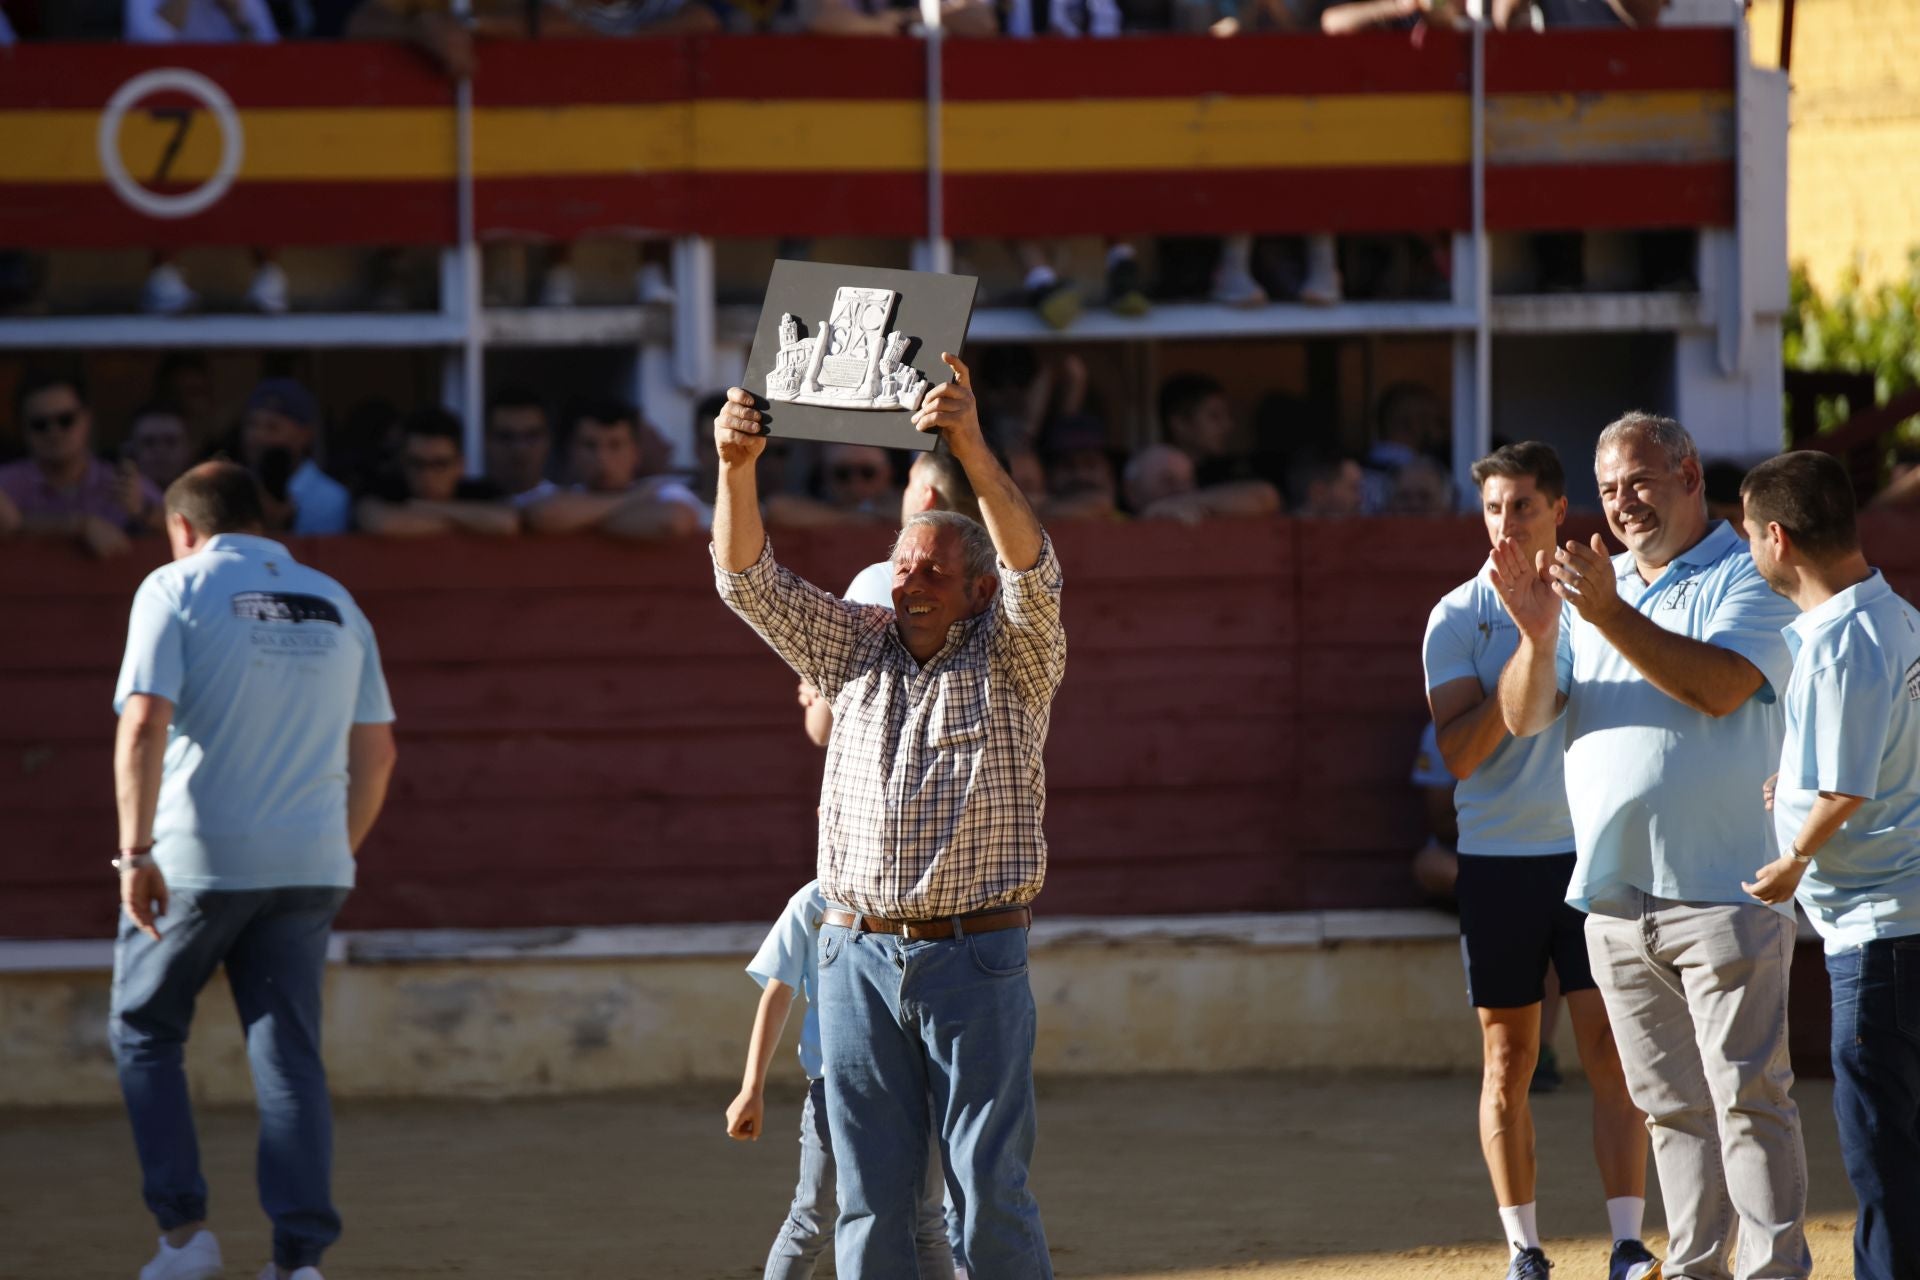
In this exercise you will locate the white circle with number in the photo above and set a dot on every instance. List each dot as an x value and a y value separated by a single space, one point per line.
183 204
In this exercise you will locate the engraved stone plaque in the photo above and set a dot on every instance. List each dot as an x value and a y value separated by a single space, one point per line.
848 353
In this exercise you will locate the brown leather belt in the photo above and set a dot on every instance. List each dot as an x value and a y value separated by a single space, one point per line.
943 927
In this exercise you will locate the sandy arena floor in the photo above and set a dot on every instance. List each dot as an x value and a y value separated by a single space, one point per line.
1173 1177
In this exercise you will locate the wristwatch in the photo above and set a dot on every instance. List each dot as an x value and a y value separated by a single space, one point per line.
134 859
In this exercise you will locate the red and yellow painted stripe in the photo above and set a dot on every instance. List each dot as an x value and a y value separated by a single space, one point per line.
355 143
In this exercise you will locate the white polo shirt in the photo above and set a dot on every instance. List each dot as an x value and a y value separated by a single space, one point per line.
1853 727
268 664
872 585
1665 799
1515 803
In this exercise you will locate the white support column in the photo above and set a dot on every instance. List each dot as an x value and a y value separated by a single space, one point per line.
460 278
693 312
935 251
1473 287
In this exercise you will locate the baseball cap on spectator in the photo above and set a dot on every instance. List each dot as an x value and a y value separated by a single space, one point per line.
287 398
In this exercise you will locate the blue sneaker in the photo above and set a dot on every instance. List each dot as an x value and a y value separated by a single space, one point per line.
1529 1264
1632 1261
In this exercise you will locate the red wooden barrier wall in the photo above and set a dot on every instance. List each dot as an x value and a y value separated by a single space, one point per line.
589 737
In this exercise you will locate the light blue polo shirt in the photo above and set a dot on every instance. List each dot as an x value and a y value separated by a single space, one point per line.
1665 799
268 664
1853 726
1515 803
791 955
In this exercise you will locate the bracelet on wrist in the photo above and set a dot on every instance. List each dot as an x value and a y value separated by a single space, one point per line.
134 859
1804 859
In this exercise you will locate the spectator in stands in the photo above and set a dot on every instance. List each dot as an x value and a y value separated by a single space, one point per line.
184 381
1421 488
204 22
276 444
1080 480
1234 283
608 493
61 490
1159 485
1902 489
429 492
858 479
519 442
1324 485
449 39
1511 14
158 444
1055 299
1408 423
1196 418
1722 481
1436 866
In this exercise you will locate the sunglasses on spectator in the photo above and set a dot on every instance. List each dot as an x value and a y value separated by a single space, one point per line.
414 462
47 422
843 474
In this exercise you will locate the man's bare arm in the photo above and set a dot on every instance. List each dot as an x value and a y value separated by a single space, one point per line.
950 409
739 439
1235 498
371 755
571 512
1703 676
651 520
139 748
1468 725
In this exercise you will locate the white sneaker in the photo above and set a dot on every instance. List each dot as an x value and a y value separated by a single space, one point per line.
271 1272
1237 288
1322 285
268 294
166 292
197 1259
653 285
556 286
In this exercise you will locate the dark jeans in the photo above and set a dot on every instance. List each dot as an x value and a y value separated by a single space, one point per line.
274 945
1876 1095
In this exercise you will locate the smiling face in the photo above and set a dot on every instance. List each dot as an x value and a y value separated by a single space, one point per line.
1653 507
1515 508
931 591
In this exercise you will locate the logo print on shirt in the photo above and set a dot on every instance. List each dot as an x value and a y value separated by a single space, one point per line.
1677 594
1913 682
284 606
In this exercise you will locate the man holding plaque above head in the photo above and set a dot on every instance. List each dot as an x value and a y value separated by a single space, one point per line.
930 840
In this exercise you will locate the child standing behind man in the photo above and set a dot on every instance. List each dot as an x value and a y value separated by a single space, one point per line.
786 963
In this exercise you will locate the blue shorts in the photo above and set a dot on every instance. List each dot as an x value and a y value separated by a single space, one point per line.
1514 921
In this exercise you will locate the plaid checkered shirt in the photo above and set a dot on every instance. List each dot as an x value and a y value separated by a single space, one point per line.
935 790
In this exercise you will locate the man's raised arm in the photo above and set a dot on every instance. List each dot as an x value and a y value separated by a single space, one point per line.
950 409
739 439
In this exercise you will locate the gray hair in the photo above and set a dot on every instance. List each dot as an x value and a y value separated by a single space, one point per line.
976 544
1664 433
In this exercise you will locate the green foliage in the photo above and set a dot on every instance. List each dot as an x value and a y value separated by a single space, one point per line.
1860 330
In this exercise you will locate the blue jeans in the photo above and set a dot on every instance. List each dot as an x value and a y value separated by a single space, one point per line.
1876 1097
274 945
809 1226
953 1018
